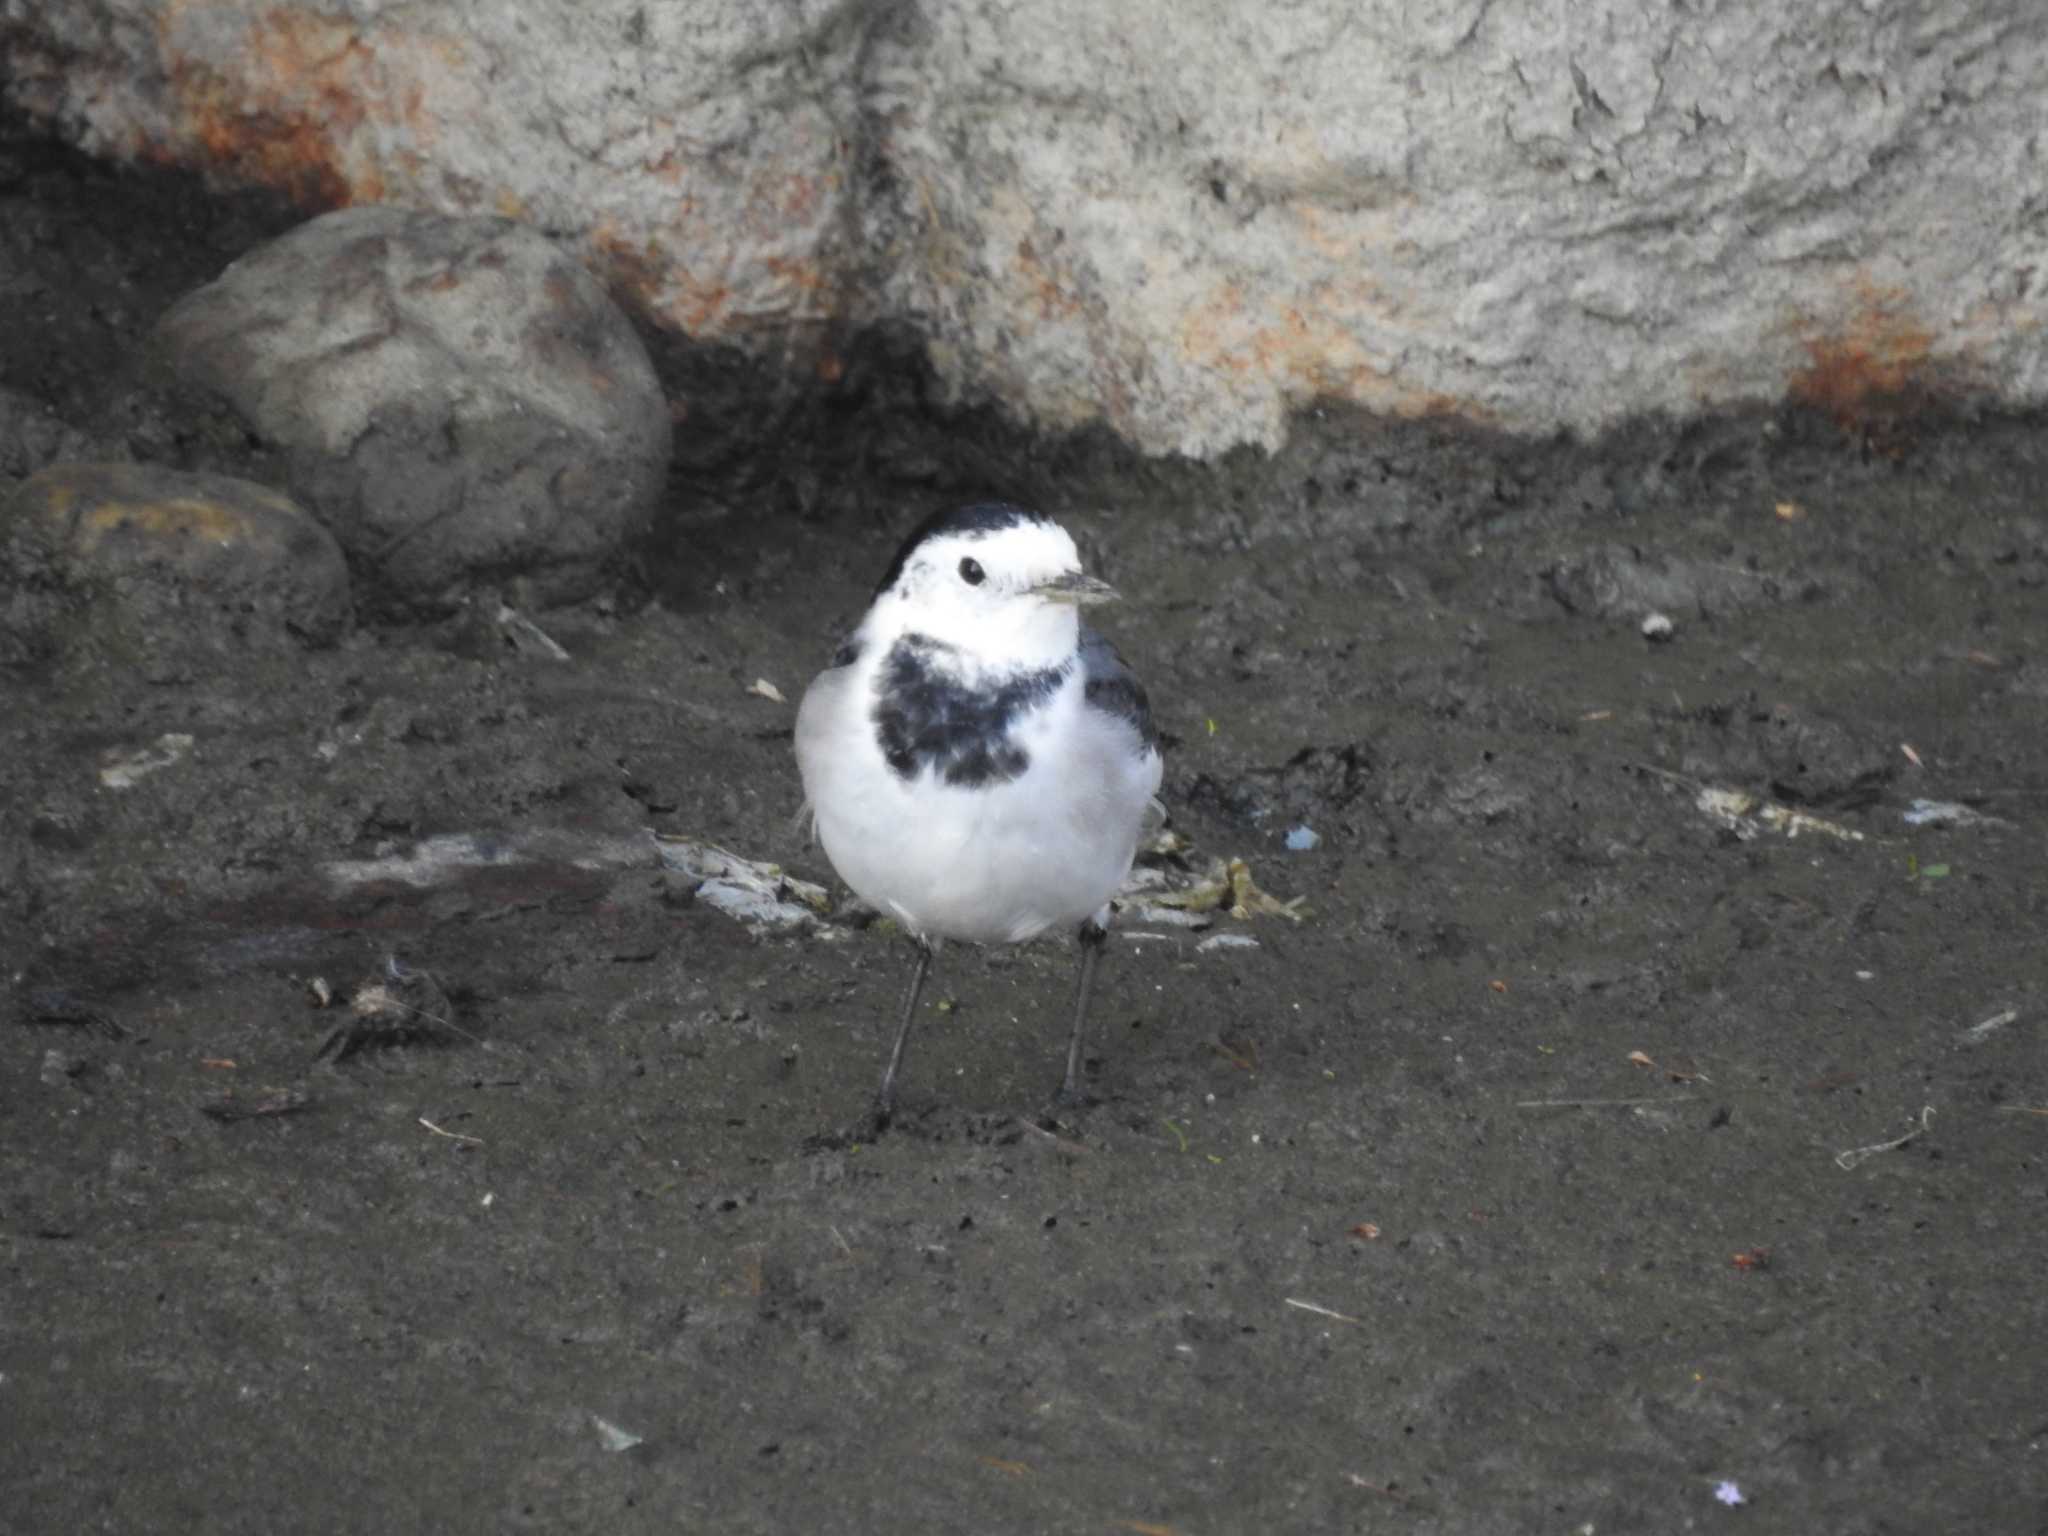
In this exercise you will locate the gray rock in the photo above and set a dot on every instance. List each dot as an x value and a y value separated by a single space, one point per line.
160 567
1615 581
1809 759
455 399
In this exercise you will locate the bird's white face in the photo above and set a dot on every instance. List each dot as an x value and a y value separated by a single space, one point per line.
1008 598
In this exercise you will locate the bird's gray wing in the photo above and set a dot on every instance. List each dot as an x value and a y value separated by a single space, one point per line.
1113 688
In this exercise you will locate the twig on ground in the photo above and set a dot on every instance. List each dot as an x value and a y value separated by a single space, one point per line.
1320 1311
1977 1034
1388 1492
523 627
56 1005
1855 1155
1664 773
1065 1144
275 1101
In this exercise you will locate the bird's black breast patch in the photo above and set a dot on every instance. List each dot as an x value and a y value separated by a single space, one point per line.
925 718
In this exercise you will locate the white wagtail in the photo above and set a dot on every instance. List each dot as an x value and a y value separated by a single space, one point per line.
979 763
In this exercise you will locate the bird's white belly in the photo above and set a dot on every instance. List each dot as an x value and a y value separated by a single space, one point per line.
997 862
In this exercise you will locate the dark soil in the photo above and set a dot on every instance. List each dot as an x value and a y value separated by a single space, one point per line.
1506 1193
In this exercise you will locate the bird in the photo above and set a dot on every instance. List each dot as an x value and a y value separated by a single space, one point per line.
978 763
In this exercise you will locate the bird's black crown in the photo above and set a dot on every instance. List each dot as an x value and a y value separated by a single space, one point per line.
982 517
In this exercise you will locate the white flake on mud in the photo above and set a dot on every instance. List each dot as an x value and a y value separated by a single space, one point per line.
441 860
1948 813
1136 901
747 890
1170 917
615 1437
126 771
1977 1034
1746 814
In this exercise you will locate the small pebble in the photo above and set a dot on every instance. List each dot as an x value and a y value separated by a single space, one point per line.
1658 626
1303 838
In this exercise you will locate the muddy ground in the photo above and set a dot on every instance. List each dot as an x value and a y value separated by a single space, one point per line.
1515 1189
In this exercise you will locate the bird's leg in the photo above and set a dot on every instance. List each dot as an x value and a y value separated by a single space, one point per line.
1092 938
885 1096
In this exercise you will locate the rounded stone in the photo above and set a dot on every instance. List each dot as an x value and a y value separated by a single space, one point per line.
142 558
456 399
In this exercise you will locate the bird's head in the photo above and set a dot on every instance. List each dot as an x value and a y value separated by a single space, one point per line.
1000 584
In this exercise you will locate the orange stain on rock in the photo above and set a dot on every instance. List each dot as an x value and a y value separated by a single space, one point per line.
1055 297
628 262
1879 354
800 197
279 121
790 286
289 110
801 275
173 517
1313 351
637 267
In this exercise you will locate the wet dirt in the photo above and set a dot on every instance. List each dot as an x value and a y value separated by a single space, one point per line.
1592 1155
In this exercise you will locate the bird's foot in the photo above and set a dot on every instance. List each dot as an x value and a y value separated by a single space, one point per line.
867 1129
871 1125
1068 1100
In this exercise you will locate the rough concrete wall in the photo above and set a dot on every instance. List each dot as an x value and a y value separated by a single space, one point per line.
1184 218
1190 217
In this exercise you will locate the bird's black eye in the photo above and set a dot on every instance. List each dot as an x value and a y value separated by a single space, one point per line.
971 571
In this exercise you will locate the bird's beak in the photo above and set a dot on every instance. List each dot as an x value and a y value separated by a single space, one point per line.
1076 588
